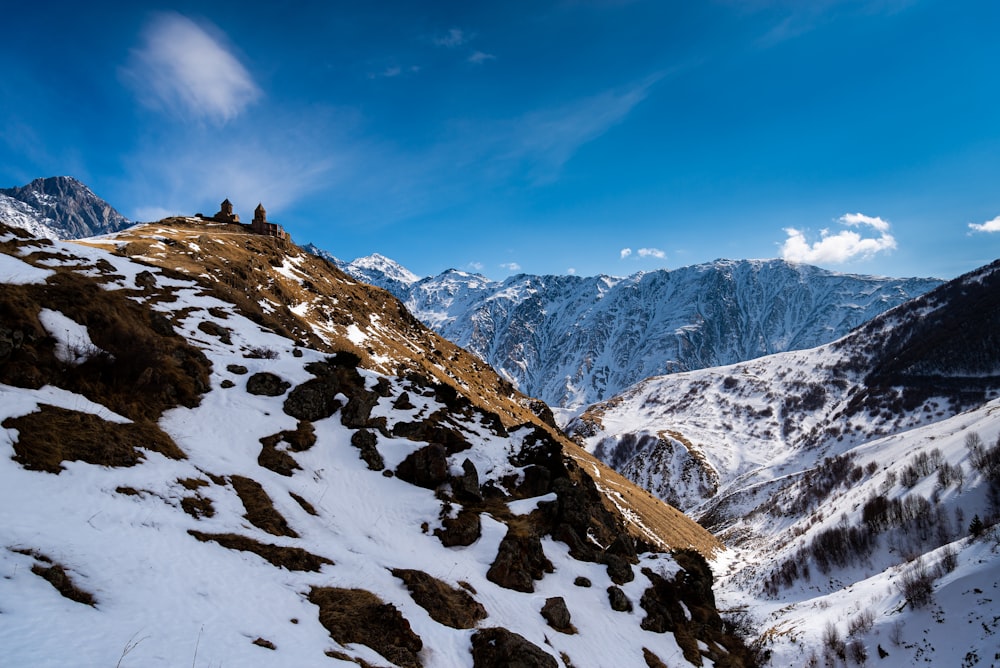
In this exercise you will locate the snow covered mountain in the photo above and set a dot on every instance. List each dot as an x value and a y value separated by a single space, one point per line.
219 449
59 207
572 341
857 482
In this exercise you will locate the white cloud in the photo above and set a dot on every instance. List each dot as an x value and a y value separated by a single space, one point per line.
856 219
185 71
511 266
988 226
571 271
625 252
475 266
841 247
651 252
452 38
480 57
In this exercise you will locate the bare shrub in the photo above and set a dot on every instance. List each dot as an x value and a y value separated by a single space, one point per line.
861 623
856 651
949 561
917 585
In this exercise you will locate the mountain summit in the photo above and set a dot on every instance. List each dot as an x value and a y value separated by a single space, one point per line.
59 207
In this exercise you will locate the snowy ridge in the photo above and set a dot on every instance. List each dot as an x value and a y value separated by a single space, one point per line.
572 341
288 502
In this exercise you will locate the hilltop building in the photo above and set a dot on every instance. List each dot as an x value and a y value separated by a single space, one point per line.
225 214
259 225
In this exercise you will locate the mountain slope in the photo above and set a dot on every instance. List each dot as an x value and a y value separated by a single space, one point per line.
59 207
207 462
845 477
572 341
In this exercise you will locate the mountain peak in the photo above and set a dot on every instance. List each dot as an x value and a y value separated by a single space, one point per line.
376 262
62 207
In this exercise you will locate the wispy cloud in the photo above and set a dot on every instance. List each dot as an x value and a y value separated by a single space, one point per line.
451 39
651 252
475 266
624 253
183 70
571 271
511 266
988 226
541 142
479 57
841 247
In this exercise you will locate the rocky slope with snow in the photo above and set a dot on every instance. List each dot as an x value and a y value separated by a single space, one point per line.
857 482
220 450
59 207
572 341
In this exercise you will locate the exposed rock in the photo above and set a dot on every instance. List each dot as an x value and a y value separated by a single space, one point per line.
460 531
265 383
426 467
237 369
466 487
274 459
145 280
581 581
365 441
619 601
222 333
403 403
312 401
500 648
520 561
557 615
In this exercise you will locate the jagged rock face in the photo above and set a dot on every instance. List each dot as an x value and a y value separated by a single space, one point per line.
572 341
64 206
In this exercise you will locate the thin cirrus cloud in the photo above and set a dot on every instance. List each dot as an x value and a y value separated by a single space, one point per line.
451 39
183 70
988 226
841 247
511 266
480 57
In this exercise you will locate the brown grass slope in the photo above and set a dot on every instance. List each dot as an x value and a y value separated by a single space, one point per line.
243 269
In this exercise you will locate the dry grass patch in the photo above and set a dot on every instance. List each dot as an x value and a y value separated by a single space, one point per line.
56 576
306 506
137 367
445 604
260 509
359 616
290 558
52 435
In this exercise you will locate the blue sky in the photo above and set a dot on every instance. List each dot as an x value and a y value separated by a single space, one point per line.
582 136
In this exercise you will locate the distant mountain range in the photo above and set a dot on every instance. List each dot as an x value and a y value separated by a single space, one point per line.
59 207
572 340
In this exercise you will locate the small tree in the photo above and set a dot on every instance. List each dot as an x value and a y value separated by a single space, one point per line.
976 527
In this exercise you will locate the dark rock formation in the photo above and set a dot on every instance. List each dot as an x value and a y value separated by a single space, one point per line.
500 648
